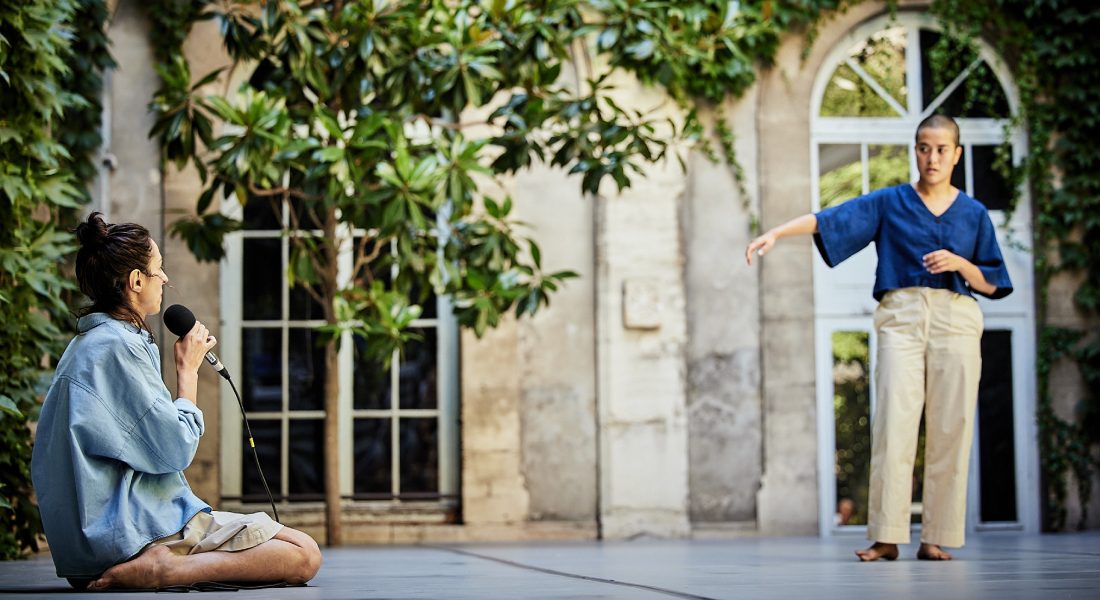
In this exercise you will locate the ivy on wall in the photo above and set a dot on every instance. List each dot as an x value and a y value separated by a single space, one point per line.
52 55
1054 53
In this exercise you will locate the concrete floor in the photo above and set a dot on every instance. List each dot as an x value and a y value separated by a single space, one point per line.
993 565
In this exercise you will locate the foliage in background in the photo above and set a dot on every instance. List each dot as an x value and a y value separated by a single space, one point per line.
38 90
79 129
386 125
1054 53
852 412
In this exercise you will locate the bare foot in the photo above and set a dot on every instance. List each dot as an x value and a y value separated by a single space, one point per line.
932 552
147 570
878 550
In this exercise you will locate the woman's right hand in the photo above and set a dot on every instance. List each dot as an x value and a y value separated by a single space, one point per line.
760 246
191 348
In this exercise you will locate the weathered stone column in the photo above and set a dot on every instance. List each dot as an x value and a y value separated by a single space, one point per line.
642 329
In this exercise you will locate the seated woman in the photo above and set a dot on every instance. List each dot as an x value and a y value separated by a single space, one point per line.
112 444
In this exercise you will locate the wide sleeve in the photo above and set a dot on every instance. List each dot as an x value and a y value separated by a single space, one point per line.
847 228
163 434
987 257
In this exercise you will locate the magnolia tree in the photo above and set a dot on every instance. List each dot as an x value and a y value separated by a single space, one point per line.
360 114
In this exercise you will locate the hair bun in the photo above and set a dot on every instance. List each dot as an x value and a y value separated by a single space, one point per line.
93 232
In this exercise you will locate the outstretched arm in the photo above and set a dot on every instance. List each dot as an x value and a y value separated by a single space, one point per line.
804 225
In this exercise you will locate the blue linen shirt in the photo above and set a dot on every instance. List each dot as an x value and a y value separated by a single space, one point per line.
110 449
904 230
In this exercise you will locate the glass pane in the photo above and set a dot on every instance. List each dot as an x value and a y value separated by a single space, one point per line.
841 173
372 381
262 280
261 377
373 456
958 176
419 456
942 60
306 382
306 472
306 214
266 435
990 187
887 165
852 417
418 372
263 213
302 305
847 95
882 57
429 302
997 449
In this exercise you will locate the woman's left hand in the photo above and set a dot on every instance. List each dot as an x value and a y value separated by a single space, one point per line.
943 261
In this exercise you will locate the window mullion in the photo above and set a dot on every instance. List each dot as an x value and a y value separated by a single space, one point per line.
947 91
876 86
913 73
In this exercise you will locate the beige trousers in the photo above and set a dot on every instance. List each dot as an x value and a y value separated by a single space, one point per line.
929 357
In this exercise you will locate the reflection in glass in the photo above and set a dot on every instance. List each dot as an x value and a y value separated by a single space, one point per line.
419 456
305 370
990 187
306 472
262 279
841 173
882 57
261 376
373 457
418 372
852 418
266 435
887 165
371 389
942 60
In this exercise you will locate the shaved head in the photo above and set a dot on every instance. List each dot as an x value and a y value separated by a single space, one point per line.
940 122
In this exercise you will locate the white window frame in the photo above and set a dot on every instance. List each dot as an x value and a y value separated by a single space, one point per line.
447 410
850 307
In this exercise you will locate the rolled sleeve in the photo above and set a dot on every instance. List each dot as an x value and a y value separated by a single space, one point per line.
988 259
846 229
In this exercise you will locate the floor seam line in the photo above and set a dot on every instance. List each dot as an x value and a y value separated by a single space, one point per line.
547 571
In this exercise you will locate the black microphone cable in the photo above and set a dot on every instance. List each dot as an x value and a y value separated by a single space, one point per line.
179 319
252 444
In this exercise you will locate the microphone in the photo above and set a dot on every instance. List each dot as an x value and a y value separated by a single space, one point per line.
179 320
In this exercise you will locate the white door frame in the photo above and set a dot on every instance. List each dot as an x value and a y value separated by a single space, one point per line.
842 296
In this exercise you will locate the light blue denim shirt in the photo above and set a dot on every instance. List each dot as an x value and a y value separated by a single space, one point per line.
110 449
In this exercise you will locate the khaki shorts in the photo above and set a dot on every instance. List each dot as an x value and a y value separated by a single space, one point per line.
223 531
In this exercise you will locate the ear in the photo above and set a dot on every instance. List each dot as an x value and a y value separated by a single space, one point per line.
958 154
135 281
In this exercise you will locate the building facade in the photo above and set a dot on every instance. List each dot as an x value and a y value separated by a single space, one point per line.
669 391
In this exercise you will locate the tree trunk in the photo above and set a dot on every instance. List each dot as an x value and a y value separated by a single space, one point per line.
333 533
329 287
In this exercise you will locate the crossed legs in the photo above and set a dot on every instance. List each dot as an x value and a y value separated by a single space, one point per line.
290 556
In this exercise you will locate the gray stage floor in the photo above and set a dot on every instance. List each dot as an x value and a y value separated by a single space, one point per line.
993 565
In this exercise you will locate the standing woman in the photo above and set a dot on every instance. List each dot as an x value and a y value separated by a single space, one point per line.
112 444
936 247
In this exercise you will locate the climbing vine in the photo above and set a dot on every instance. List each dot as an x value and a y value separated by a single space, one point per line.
49 124
1054 53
